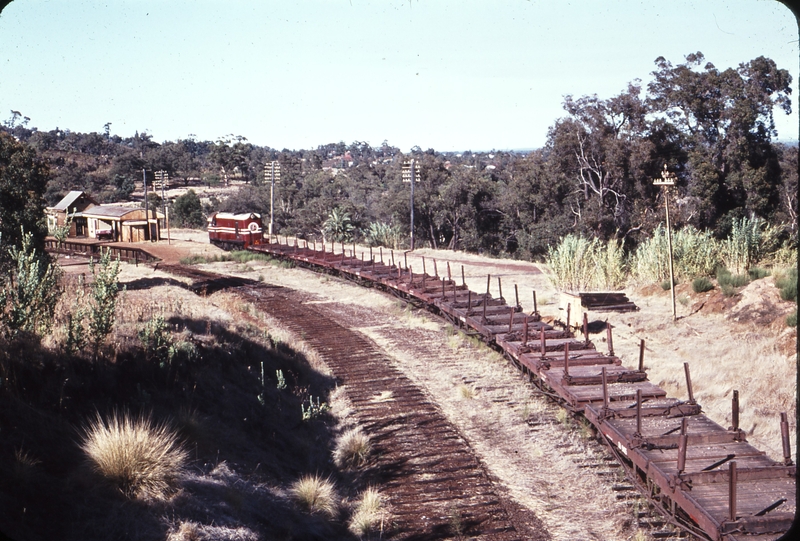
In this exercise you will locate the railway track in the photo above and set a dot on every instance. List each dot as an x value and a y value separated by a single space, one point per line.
701 477
436 486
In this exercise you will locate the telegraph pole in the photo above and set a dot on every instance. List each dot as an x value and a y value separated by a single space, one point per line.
146 207
272 170
163 176
668 179
411 174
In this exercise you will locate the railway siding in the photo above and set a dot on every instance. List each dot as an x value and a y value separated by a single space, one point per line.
703 477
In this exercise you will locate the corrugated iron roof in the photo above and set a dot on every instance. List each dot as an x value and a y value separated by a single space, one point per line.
69 199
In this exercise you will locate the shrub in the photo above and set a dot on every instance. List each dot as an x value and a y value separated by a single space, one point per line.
157 340
787 283
29 295
103 298
315 494
791 319
141 458
383 234
352 449
702 284
757 273
666 285
580 264
368 514
694 253
749 241
728 290
187 211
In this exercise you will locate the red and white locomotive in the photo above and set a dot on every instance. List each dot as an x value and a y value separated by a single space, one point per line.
235 231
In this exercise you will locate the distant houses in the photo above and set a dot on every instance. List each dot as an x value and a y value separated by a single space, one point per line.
114 222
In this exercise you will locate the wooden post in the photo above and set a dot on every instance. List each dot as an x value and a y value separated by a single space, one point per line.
569 307
610 341
735 411
787 450
683 439
639 411
586 327
525 332
732 491
641 355
542 341
688 383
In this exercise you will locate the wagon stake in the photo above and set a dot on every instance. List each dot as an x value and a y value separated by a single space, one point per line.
516 296
682 441
525 332
569 308
610 341
534 302
500 287
586 327
787 451
510 319
542 342
732 492
605 387
641 356
735 411
639 411
688 383
566 360
463 280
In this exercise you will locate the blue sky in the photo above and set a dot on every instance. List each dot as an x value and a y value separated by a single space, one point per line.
451 75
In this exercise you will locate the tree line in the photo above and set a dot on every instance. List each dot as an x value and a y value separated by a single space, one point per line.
594 175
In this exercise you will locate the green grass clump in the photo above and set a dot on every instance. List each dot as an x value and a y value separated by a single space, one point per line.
791 319
141 458
725 278
665 285
787 283
702 284
315 494
757 273
728 290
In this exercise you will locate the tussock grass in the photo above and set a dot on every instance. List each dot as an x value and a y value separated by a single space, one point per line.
186 531
787 282
369 514
757 273
352 449
701 285
467 392
315 495
142 458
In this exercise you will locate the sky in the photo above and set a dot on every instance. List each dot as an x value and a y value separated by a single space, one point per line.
449 75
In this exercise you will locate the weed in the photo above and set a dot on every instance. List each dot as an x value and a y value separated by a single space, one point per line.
281 379
187 531
564 418
456 521
141 458
467 392
728 290
665 285
578 264
352 449
702 284
586 430
369 513
315 494
757 273
683 299
791 319
787 283
157 341
314 410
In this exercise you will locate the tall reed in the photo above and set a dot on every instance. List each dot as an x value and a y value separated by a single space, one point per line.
581 264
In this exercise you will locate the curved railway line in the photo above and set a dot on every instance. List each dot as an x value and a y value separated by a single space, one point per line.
701 476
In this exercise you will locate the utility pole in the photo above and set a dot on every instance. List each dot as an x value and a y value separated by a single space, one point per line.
411 174
668 179
163 177
146 207
272 170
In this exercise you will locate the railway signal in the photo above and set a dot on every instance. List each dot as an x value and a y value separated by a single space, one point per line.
668 179
411 174
272 171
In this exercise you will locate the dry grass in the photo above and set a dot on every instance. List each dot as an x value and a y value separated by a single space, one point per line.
467 392
143 459
352 449
369 515
316 495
